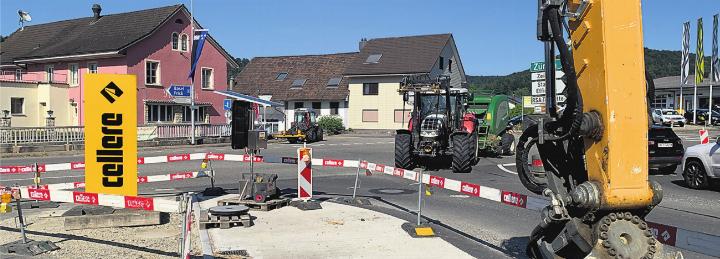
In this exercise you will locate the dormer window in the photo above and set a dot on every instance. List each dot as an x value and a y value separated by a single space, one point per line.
373 59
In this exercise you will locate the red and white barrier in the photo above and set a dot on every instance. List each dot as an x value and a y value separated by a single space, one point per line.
704 139
304 169
118 201
79 165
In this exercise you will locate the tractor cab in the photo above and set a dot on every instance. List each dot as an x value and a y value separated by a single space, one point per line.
304 118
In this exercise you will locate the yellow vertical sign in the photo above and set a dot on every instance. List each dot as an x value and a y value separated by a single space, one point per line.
111 134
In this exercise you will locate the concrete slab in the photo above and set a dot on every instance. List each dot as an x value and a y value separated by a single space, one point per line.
121 219
336 231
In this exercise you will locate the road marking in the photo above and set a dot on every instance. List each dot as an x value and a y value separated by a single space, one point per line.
505 169
459 196
510 164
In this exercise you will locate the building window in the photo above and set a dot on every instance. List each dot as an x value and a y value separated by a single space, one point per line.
152 72
159 113
373 59
49 73
298 82
370 115
18 74
299 105
370 89
174 41
401 116
199 114
334 107
441 63
334 82
281 76
184 42
450 65
73 74
17 106
207 78
317 106
92 68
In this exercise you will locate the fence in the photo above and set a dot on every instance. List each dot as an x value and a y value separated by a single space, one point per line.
35 77
76 134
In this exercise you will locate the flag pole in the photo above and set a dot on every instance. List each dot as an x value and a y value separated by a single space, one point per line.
192 80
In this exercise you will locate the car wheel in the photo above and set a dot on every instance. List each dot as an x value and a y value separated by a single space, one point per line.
695 175
681 124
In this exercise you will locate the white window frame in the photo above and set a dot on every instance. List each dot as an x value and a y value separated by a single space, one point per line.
184 41
18 74
49 73
70 74
212 78
22 112
175 45
89 67
157 73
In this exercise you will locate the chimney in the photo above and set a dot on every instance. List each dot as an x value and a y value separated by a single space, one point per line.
363 41
96 11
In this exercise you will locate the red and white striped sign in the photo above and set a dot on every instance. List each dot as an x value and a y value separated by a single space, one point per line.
704 139
304 167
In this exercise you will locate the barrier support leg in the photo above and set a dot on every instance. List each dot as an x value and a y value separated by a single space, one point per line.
421 230
357 176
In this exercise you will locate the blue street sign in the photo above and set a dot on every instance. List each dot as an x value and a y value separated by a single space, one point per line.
227 104
179 90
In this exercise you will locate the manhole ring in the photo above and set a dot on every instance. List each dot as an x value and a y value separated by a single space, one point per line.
391 191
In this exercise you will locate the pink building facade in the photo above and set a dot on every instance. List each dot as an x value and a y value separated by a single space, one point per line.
159 60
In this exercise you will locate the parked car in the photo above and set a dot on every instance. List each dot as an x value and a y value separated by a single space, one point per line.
702 116
701 164
515 120
668 117
665 149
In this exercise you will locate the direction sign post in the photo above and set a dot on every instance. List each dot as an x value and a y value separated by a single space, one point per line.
179 90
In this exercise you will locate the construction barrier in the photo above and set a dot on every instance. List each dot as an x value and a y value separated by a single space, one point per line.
670 235
99 199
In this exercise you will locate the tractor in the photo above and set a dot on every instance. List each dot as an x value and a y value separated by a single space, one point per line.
304 129
493 115
439 126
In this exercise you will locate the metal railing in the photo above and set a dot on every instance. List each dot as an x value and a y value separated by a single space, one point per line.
76 134
34 77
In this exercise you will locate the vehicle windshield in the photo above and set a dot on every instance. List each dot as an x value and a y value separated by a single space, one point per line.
302 117
429 103
669 112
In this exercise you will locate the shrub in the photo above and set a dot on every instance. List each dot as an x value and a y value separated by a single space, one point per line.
331 124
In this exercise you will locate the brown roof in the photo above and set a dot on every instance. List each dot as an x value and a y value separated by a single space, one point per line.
259 77
400 55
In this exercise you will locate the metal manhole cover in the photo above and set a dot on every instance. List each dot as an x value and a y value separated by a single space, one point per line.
229 210
391 191
234 252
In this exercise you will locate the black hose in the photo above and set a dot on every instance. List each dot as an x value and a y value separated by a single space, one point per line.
573 111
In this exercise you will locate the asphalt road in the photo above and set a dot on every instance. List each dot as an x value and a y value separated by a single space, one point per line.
482 228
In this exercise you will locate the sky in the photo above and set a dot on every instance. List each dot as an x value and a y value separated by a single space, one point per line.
493 37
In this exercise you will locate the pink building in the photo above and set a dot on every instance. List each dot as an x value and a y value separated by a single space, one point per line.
153 44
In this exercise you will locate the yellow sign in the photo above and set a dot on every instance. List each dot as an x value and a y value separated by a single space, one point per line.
111 134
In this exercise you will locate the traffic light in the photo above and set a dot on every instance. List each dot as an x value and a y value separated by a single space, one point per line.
241 123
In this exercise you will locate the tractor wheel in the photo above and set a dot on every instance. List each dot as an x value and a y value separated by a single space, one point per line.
292 140
463 153
321 137
403 152
311 136
507 144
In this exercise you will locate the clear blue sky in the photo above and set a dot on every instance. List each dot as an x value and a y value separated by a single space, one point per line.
493 37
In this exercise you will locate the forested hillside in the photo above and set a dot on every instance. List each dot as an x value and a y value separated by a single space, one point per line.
660 63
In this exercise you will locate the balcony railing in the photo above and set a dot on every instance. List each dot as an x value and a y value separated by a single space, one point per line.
76 134
34 77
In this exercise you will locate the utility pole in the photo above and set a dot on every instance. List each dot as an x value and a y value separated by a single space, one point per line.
192 80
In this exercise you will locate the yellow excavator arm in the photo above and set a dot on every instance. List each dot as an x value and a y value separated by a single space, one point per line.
594 151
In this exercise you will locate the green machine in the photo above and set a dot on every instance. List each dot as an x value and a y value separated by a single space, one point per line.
493 114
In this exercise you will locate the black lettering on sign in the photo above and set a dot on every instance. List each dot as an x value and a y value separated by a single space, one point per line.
111 154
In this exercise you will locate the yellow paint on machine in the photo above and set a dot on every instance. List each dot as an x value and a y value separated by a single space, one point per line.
111 134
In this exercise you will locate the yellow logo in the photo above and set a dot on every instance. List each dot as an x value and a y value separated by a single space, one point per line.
111 134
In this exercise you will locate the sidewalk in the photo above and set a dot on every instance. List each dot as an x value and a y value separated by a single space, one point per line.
335 231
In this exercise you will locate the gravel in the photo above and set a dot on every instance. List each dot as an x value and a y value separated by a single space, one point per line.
160 241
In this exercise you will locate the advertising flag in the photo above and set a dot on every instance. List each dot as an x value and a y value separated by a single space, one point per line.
714 61
699 55
198 42
685 63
